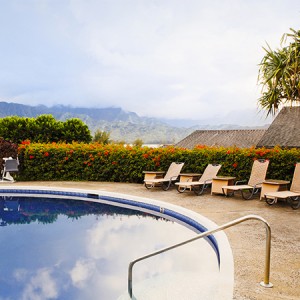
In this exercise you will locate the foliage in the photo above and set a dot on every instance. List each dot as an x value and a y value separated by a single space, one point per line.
47 129
7 149
279 74
47 211
43 129
112 162
138 143
122 125
75 130
102 137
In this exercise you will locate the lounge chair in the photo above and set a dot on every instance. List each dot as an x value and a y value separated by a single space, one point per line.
10 165
292 196
153 178
257 176
204 181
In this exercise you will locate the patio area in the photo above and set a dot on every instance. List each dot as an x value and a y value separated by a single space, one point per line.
247 239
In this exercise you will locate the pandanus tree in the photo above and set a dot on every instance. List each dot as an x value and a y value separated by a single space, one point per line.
279 74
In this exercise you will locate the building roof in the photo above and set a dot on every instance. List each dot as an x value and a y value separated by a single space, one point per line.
284 130
242 138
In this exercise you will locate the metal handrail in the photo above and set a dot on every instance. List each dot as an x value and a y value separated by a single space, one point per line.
265 283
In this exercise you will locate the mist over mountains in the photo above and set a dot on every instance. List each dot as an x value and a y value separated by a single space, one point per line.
122 125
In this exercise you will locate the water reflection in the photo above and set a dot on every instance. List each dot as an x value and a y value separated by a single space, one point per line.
70 249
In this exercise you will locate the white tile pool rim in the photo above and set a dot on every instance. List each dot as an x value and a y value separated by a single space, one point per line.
179 214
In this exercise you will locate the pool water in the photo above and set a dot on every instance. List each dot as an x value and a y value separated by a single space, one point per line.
76 249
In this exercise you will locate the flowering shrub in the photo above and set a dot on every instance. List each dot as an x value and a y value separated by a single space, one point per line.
113 162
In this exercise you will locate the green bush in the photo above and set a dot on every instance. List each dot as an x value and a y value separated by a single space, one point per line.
44 129
112 162
75 130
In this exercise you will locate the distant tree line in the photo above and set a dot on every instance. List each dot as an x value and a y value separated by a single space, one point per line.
103 137
44 129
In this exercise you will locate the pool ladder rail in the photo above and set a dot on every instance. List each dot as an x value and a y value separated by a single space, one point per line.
265 283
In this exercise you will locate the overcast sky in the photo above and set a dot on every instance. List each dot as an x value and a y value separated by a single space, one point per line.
158 58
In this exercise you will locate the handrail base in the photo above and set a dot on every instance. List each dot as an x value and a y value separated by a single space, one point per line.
266 285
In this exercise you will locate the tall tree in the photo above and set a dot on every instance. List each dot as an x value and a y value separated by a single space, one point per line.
279 74
102 137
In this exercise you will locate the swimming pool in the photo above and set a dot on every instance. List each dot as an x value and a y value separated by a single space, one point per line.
93 263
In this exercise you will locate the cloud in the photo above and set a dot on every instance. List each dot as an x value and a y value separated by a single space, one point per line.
170 59
41 286
82 272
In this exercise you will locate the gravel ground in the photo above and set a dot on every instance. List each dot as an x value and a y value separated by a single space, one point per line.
247 239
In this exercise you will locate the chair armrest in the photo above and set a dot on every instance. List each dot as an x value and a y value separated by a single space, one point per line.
239 182
255 185
207 180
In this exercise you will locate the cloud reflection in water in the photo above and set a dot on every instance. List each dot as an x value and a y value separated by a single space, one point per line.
84 252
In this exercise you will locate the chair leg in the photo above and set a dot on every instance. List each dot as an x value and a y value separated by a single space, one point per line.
294 202
181 189
249 195
228 194
148 186
270 201
166 186
199 191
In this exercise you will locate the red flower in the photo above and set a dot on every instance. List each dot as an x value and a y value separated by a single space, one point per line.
235 165
46 154
228 152
114 163
31 157
146 155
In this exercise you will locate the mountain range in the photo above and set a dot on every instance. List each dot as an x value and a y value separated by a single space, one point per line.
122 125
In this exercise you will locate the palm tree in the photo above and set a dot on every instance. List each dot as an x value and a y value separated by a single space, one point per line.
279 74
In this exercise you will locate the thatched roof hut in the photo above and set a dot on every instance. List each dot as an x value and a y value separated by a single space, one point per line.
284 130
242 138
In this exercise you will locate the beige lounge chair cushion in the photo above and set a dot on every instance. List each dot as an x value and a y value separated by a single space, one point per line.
294 190
206 178
237 187
282 194
156 180
295 186
192 183
257 176
172 173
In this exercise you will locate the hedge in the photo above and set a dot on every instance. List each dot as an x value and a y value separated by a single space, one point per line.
44 129
117 163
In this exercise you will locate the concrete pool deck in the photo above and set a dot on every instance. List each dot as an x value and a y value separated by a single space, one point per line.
247 239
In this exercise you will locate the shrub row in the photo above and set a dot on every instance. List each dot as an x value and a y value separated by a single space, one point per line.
44 129
97 162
